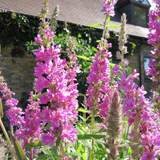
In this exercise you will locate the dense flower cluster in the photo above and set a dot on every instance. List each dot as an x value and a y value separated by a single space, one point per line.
55 76
154 40
98 80
108 7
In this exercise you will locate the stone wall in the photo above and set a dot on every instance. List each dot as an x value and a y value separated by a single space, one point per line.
134 64
18 72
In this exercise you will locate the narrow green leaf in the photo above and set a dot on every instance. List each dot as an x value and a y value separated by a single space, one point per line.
108 19
113 26
18 149
83 110
90 136
83 57
34 145
51 154
42 157
80 94
1 109
74 154
94 49
96 25
34 50
38 96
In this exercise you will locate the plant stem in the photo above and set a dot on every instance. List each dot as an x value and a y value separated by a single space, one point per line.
7 137
31 154
104 28
61 149
92 125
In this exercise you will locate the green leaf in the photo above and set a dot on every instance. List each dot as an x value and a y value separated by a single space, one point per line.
83 57
94 49
90 136
113 26
129 150
18 149
80 94
56 38
79 35
34 50
48 125
42 157
38 96
108 19
34 145
112 65
83 110
96 25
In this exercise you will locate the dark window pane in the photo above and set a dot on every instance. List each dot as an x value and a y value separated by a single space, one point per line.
140 16
146 61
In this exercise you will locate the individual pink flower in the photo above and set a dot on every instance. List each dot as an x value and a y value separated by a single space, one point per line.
48 139
147 155
11 102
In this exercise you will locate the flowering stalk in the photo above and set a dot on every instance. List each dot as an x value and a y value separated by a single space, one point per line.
53 22
56 77
98 80
99 90
154 40
139 111
114 121
6 94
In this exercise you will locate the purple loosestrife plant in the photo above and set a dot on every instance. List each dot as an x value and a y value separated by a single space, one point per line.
138 109
154 40
55 83
99 77
56 77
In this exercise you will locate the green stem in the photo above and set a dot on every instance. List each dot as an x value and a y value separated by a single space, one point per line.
92 125
104 28
7 137
61 150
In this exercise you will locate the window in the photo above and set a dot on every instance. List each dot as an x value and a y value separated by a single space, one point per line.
146 58
136 10
140 16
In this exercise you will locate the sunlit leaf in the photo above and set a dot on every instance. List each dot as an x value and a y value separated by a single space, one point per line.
34 145
83 110
90 136
38 96
18 149
83 57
